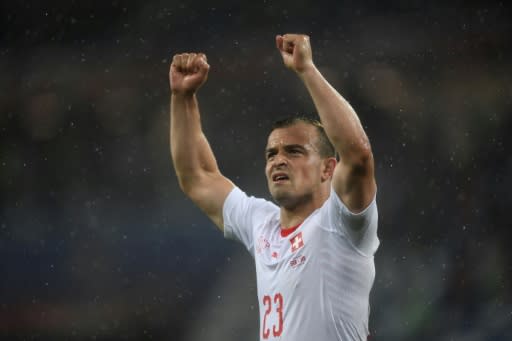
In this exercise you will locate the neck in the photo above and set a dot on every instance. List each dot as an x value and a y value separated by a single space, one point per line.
292 216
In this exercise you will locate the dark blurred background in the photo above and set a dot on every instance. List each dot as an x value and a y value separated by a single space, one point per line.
98 243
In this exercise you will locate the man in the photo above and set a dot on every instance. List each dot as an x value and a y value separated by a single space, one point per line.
313 252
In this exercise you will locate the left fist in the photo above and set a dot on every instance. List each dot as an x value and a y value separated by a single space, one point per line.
296 51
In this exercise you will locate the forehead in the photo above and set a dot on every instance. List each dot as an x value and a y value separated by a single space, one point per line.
298 133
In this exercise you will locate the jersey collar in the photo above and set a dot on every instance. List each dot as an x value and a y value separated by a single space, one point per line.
285 232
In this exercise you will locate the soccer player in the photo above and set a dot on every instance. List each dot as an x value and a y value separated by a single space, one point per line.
313 250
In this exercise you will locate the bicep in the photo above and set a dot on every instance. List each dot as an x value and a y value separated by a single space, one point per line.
209 193
355 183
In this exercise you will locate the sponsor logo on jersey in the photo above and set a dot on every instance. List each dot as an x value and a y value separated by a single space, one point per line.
297 242
297 261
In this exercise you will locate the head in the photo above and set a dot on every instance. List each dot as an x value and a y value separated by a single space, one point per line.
300 161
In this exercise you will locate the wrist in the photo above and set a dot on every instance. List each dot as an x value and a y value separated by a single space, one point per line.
183 95
306 71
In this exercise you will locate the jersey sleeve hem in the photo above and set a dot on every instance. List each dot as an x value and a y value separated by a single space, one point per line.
361 227
229 203
348 211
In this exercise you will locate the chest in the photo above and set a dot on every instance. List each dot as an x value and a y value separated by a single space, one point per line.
288 259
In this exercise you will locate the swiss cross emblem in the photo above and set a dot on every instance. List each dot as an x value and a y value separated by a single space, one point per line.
297 242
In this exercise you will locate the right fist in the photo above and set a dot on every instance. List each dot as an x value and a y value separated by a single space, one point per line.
188 72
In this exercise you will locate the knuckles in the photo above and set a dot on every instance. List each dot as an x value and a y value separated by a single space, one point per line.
295 37
189 61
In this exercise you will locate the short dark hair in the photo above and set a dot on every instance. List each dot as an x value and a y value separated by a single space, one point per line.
325 147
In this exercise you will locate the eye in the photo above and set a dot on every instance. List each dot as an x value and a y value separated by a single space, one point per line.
295 151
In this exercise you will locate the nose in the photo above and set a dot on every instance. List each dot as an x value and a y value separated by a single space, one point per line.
279 161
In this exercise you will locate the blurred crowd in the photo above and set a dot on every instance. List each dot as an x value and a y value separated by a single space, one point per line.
98 242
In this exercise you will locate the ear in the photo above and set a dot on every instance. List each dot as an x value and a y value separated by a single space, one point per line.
328 168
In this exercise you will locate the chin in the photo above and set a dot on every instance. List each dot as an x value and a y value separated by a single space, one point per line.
290 200
281 197
285 199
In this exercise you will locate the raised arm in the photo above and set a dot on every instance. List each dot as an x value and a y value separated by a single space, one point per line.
194 162
353 179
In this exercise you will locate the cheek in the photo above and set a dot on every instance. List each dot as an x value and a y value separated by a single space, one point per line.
267 171
312 172
306 174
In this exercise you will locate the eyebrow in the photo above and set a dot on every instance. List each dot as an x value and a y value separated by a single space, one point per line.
286 147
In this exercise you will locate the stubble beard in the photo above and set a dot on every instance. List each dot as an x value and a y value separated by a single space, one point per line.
288 199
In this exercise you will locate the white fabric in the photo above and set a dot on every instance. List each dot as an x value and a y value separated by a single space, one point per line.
315 283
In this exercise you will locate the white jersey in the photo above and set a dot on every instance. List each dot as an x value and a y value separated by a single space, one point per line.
313 284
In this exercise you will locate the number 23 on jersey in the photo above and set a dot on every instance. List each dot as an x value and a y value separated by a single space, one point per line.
273 305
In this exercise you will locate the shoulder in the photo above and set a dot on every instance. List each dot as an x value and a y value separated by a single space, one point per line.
245 215
360 228
336 213
238 202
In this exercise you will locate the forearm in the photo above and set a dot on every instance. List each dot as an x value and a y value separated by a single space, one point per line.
191 154
340 121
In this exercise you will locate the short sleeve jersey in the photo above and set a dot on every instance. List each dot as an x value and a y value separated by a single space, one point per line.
313 284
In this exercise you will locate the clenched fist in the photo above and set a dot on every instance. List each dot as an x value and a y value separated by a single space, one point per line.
295 50
188 72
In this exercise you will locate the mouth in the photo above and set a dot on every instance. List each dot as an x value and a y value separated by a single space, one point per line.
280 177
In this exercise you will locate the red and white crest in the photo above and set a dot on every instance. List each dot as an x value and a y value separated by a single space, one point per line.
297 242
